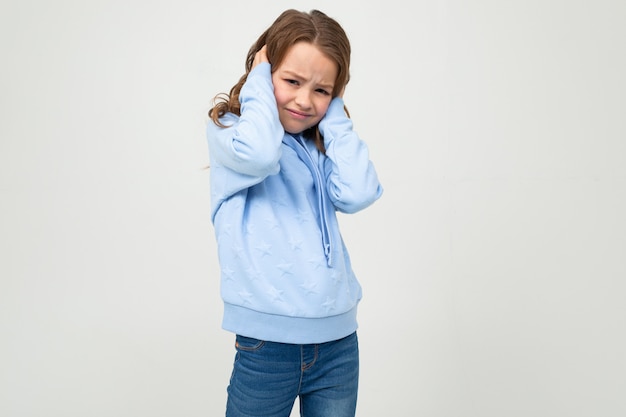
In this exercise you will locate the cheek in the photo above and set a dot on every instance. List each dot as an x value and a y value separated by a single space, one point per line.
322 106
279 94
280 97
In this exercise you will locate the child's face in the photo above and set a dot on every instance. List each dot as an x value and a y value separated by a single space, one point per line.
303 86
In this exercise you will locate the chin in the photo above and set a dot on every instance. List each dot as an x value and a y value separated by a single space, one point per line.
294 130
294 127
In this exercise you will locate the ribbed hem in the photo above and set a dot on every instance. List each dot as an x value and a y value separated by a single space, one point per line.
284 329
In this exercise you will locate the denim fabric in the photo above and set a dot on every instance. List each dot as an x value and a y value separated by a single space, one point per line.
267 378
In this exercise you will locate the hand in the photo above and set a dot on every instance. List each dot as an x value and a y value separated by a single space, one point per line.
260 56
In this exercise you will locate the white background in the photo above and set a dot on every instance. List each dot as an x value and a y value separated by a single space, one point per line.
493 267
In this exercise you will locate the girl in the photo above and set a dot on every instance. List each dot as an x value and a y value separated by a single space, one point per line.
284 159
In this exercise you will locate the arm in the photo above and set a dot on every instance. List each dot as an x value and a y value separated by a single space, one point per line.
251 144
351 179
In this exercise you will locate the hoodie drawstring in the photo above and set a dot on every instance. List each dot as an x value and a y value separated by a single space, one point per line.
320 188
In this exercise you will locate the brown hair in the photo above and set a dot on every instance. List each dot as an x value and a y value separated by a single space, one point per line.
290 27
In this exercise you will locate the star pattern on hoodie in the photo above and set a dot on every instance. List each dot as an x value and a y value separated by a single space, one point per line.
317 262
329 304
272 262
265 248
285 268
279 200
253 274
226 230
237 251
275 294
296 244
302 216
271 223
309 286
246 296
228 273
250 229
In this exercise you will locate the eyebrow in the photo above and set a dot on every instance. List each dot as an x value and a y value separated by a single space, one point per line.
296 75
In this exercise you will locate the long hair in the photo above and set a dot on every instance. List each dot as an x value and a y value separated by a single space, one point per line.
290 27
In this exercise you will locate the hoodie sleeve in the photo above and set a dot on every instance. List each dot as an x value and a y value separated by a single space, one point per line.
351 179
251 143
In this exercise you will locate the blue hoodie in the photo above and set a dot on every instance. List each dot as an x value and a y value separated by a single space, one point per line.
285 271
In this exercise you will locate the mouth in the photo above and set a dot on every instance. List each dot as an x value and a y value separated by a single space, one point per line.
297 115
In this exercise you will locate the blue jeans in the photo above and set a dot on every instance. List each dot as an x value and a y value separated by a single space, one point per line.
268 376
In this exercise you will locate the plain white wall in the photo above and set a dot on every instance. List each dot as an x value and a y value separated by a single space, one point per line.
493 267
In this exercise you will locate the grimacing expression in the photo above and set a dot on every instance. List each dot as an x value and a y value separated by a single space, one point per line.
303 86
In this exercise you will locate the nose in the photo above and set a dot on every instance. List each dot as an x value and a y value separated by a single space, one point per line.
303 99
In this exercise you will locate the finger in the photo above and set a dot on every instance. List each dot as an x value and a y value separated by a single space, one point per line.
260 56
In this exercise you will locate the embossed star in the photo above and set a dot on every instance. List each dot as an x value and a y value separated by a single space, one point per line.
250 229
316 263
309 286
228 273
246 296
275 294
227 229
279 200
264 248
285 268
329 304
253 274
271 223
302 216
296 244
238 251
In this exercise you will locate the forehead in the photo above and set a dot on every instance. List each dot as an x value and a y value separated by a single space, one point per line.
307 60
